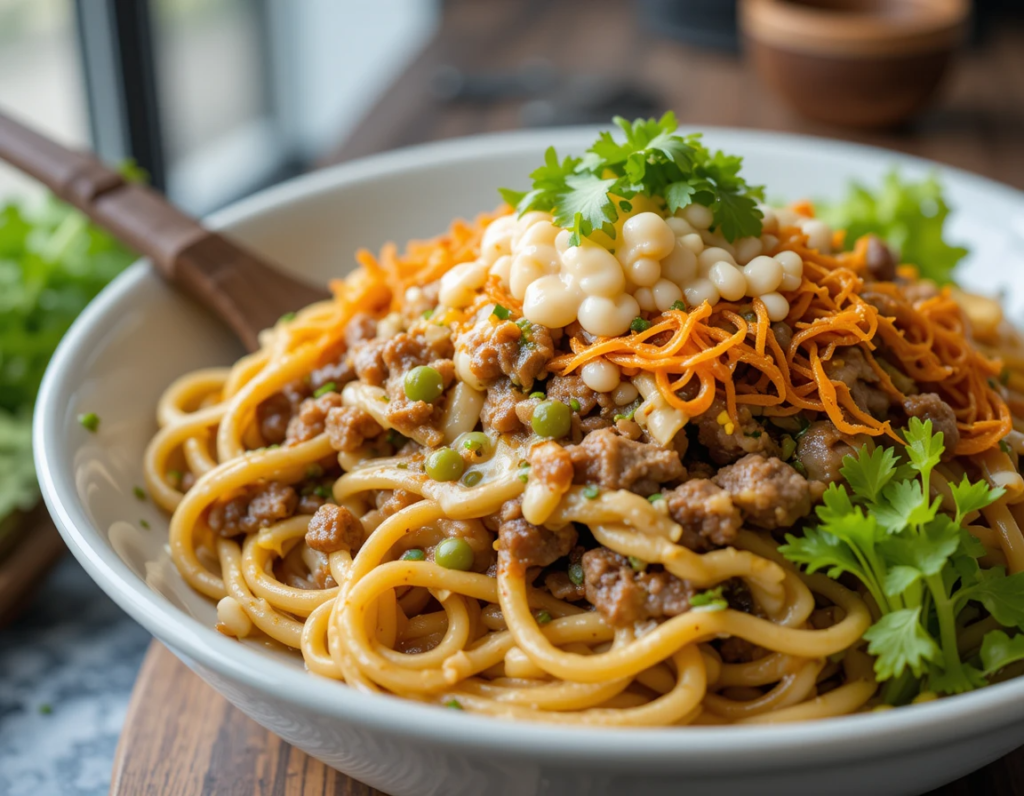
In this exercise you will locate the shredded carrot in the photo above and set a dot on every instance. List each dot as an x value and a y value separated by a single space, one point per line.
726 352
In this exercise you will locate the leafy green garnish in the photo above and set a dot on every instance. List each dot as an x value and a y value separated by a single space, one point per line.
710 600
52 263
586 194
907 215
920 566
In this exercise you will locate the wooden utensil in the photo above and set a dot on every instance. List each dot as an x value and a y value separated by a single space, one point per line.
246 292
182 738
34 548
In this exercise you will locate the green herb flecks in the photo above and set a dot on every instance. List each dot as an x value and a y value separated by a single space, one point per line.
653 160
710 600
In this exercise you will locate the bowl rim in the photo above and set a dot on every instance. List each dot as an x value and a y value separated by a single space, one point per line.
698 748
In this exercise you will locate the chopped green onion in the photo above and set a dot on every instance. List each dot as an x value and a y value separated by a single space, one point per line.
576 574
322 491
538 395
500 312
591 491
799 467
637 564
473 478
543 617
523 477
288 316
574 405
454 704
625 417
1004 446
402 466
788 447
413 554
655 497
325 388
139 492
144 525
90 421
639 325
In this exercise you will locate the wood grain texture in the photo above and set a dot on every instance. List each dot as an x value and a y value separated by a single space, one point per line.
181 738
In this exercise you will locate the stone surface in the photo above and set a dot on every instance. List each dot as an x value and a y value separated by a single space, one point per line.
67 666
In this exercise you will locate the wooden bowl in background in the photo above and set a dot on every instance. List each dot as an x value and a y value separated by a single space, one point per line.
857 63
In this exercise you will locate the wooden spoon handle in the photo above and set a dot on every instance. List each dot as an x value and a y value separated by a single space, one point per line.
245 291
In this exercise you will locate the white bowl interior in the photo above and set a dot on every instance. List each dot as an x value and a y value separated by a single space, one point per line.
141 334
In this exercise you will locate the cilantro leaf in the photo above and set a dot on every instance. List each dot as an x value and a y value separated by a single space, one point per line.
904 505
956 680
926 552
653 160
899 642
1001 594
923 447
999 650
818 550
868 473
910 216
970 497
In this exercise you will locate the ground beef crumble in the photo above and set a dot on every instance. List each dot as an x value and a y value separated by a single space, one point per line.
612 461
706 513
506 348
334 528
624 596
257 507
348 427
769 492
522 545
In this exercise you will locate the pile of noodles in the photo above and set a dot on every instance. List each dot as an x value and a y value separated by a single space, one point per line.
466 639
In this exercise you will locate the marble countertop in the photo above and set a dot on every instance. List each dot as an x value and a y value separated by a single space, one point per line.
67 666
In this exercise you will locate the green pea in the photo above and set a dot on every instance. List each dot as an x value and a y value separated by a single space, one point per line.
413 554
576 574
423 383
477 442
551 419
454 553
444 464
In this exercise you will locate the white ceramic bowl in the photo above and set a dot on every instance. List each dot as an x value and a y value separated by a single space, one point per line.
140 334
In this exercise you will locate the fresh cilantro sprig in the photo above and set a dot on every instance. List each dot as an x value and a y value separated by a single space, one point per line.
919 565
587 193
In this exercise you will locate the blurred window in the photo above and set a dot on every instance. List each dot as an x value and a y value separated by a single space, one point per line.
40 79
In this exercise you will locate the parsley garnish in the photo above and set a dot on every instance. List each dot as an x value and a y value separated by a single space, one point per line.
919 565
639 325
653 161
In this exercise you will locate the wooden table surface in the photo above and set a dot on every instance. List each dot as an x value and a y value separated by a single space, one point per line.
978 124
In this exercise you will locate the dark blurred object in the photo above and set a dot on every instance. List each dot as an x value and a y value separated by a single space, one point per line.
534 76
706 23
553 99
857 63
31 545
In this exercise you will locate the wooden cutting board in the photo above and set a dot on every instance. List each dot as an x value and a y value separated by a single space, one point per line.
180 738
